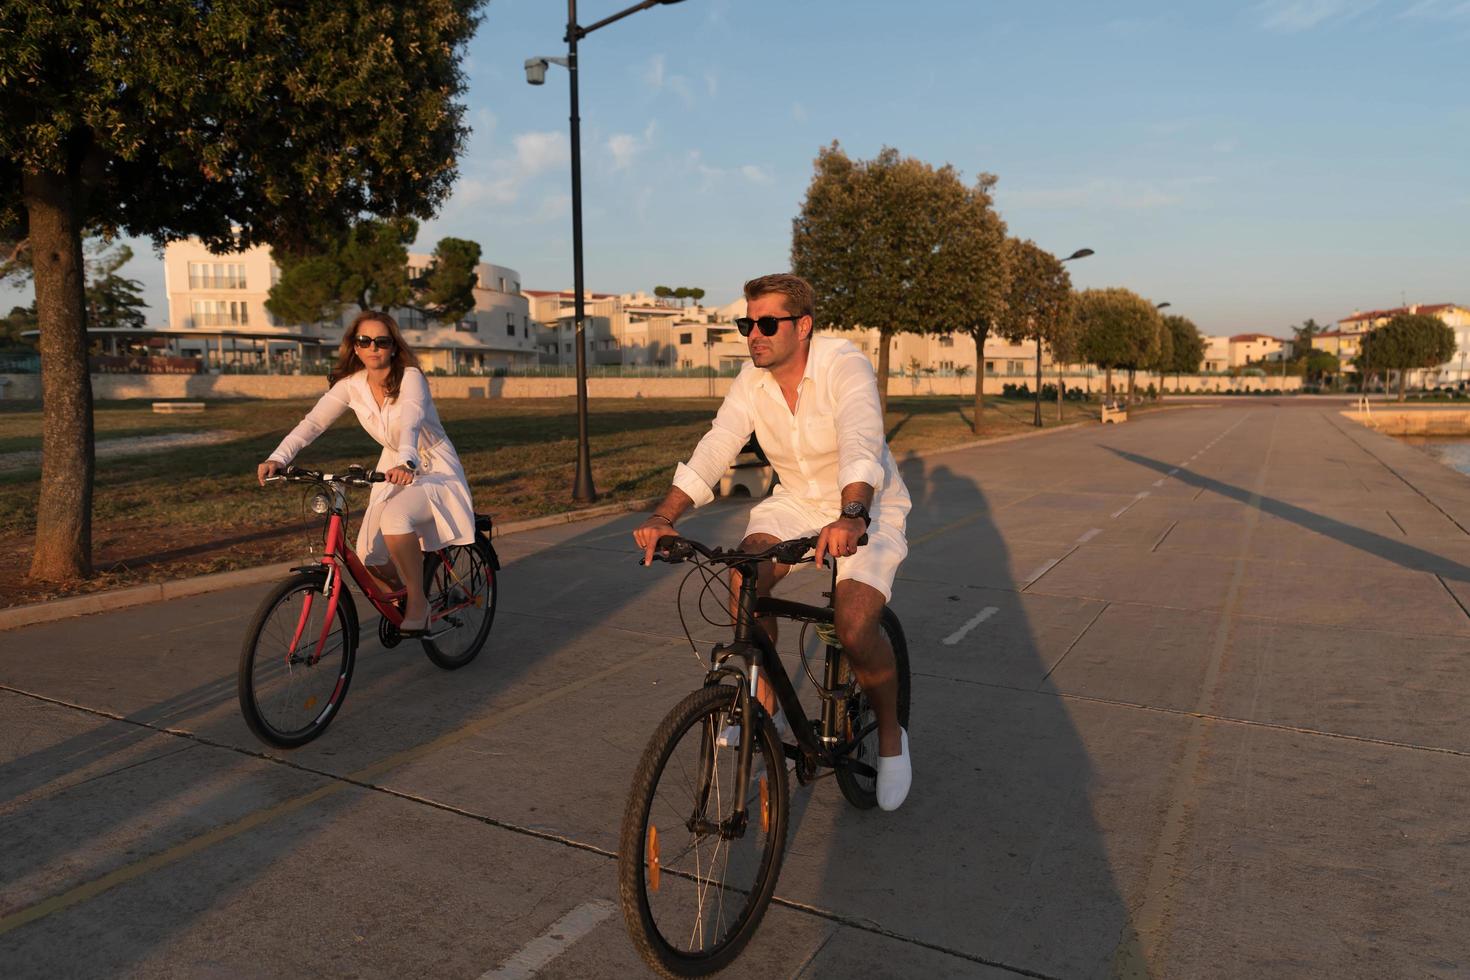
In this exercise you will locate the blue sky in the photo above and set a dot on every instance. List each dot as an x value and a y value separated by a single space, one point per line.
1253 163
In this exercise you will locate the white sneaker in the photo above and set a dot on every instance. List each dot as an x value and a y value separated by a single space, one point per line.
730 736
895 775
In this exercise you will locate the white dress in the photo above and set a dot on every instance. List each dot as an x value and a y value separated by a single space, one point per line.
409 429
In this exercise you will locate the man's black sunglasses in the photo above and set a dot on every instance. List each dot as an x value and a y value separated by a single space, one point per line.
363 342
768 324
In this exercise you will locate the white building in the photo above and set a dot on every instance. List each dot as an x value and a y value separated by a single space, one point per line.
217 312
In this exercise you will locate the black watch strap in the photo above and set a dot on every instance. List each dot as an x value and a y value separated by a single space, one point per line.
857 509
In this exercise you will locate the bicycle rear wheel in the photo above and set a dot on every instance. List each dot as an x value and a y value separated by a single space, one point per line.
460 583
291 684
694 874
857 714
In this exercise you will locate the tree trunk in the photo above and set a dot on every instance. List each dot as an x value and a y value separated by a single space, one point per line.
885 341
1061 393
1130 388
64 511
1403 378
1161 386
1108 371
979 336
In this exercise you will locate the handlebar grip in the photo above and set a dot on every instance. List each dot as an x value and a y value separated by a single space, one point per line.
377 477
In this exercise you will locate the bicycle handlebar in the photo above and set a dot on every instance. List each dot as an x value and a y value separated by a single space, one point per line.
677 549
355 476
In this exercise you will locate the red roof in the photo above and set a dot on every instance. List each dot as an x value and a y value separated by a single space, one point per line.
1385 314
1241 337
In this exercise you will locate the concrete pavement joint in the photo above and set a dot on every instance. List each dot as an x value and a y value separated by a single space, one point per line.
1044 569
1396 523
1163 536
1402 478
1071 646
1451 591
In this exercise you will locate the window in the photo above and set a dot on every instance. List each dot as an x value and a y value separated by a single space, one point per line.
502 284
990 367
1016 367
220 313
686 338
510 329
411 319
216 275
566 348
525 326
467 326
946 341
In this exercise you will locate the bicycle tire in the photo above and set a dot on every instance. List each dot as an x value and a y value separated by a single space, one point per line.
438 651
247 679
658 952
857 789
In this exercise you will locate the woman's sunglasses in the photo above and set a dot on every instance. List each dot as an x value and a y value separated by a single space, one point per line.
768 324
381 343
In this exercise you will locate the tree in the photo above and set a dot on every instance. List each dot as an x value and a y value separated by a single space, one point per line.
240 123
681 294
872 237
17 322
367 267
1162 358
113 301
1408 342
1038 301
696 294
1319 364
1118 329
1186 347
1302 336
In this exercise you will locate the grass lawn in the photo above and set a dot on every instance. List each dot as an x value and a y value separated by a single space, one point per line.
190 510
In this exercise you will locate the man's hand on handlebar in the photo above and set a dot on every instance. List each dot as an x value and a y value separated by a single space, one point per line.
841 538
649 533
267 469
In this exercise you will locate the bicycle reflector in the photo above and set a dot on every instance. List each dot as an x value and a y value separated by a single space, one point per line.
319 504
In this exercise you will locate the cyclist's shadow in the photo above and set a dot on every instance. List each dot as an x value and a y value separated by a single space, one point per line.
996 855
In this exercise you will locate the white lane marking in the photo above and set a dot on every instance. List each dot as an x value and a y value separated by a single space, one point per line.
1089 535
1136 498
974 621
551 943
1160 482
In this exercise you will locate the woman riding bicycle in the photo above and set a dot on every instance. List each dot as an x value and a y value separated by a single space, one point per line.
425 502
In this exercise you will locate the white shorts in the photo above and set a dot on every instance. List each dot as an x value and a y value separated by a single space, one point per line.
786 516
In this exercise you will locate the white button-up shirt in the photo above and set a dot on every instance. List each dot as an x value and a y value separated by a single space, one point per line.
834 438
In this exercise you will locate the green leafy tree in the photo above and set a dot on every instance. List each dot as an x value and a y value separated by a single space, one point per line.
1038 301
969 272
1303 336
681 294
1407 342
663 292
367 268
1186 347
696 294
1319 365
241 123
16 323
1119 330
1162 358
114 301
869 237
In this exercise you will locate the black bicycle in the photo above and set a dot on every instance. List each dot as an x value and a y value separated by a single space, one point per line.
706 821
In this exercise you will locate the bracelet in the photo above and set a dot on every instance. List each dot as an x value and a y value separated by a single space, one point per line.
662 518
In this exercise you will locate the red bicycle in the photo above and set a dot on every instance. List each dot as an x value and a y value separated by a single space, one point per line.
298 655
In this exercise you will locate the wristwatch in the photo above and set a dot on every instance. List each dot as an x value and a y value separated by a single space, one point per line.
410 465
857 509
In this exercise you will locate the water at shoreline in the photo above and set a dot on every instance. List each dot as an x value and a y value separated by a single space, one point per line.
1452 451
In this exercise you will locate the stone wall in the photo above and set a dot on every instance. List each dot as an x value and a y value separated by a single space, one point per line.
106 387
1414 421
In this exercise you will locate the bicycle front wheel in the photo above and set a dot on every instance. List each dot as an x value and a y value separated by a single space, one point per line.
857 715
291 679
697 865
460 584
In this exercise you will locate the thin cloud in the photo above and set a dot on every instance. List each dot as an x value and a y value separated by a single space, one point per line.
653 75
624 148
798 112
1439 11
756 175
1294 16
1105 194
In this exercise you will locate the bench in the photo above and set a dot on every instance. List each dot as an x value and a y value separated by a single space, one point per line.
1114 414
167 408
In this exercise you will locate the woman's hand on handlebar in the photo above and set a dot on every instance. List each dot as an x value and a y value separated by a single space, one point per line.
649 533
399 475
267 469
840 538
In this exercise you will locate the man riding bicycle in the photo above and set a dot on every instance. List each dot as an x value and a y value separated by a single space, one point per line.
812 402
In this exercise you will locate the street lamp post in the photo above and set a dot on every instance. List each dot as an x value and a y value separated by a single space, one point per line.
1160 306
582 489
1081 253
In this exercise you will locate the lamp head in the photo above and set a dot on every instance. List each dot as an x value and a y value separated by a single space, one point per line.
536 71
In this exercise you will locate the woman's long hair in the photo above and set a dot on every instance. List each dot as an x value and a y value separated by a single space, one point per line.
348 364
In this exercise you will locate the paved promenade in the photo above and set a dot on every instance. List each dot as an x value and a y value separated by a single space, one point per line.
1188 702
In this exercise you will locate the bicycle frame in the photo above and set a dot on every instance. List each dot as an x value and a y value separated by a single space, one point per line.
753 646
338 556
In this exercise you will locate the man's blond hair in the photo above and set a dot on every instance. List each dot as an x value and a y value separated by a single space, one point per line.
801 299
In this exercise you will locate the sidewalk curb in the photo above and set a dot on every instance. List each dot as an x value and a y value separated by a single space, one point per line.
137 595
97 602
